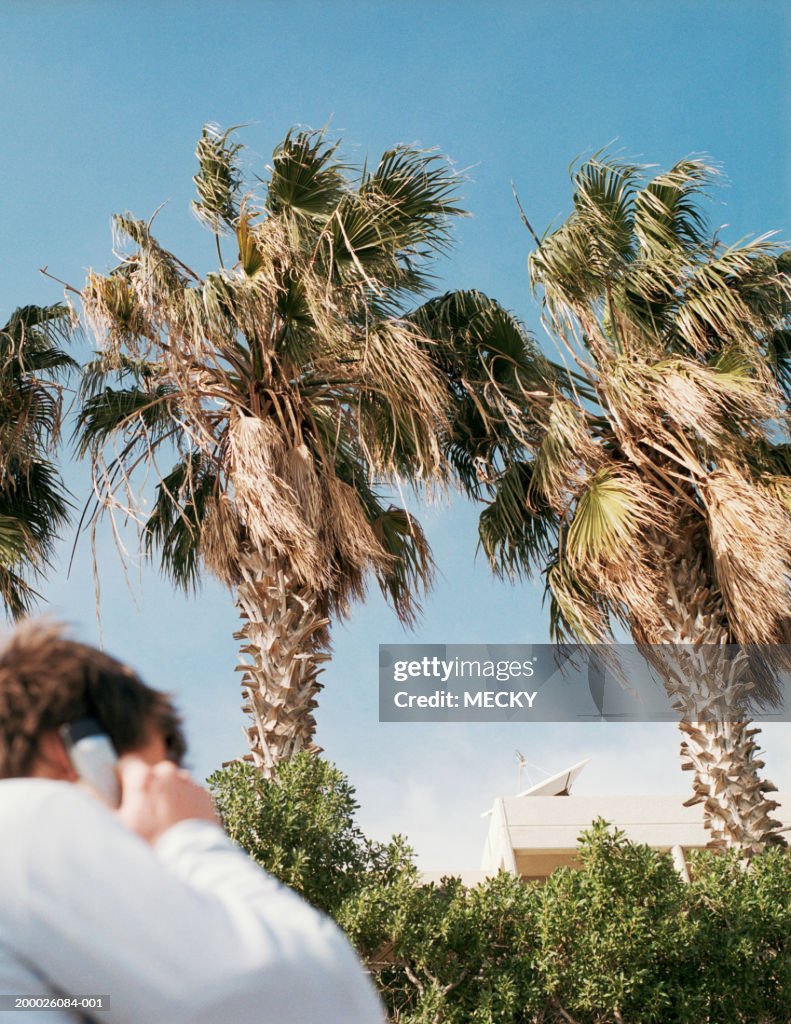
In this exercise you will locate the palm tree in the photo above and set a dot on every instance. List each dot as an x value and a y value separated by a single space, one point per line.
651 483
33 502
285 386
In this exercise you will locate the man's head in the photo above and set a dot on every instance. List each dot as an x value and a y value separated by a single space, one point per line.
47 680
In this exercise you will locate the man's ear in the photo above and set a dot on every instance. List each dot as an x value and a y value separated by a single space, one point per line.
52 759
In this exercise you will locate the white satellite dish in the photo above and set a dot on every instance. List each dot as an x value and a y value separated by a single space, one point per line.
556 785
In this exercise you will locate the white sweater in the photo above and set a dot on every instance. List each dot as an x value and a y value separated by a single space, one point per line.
187 932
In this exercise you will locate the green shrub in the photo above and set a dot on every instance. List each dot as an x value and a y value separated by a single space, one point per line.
303 830
622 940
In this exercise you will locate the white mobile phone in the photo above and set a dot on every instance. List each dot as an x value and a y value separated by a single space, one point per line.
94 758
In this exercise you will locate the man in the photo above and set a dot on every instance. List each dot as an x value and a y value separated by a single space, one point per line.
151 905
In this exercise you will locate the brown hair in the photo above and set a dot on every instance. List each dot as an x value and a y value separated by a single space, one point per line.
47 680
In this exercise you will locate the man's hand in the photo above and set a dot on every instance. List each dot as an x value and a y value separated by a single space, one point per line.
155 797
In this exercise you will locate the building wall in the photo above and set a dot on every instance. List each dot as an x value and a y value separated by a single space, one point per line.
532 836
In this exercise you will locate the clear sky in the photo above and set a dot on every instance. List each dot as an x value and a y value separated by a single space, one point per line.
102 104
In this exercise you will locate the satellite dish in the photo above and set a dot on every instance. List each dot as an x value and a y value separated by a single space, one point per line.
556 785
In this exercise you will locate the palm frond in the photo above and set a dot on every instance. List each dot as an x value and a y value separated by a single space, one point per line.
403 407
35 497
15 539
31 365
38 328
750 537
515 532
472 331
33 508
666 213
17 595
218 181
115 312
577 613
414 193
608 515
113 411
114 364
778 357
305 178
565 454
383 233
152 270
604 194
251 258
30 419
560 267
409 569
175 528
715 309
500 383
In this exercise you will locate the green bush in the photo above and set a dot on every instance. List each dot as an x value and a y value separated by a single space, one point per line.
303 830
622 939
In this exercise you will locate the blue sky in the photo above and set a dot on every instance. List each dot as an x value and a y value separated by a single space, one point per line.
102 105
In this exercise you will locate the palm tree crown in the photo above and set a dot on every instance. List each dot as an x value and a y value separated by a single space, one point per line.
651 483
288 383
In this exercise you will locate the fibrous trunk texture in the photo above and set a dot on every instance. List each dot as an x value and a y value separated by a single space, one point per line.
709 683
284 641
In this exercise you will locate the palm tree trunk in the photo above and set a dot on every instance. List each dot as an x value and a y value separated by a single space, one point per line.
284 641
708 685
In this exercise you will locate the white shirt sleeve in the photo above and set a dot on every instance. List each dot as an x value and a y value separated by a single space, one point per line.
190 932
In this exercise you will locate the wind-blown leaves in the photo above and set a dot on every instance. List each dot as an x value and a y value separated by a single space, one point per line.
384 232
666 214
604 197
414 193
500 382
218 181
750 537
411 567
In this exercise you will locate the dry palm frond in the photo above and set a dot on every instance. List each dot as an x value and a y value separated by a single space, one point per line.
750 535
221 540
398 379
565 457
113 312
269 508
350 533
711 400
577 613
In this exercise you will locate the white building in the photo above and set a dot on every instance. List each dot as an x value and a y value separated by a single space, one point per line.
536 831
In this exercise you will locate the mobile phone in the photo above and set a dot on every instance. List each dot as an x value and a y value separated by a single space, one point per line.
94 758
